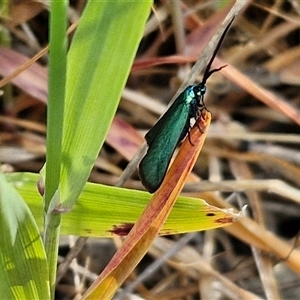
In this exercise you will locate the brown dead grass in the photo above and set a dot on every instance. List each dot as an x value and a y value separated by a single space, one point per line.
251 155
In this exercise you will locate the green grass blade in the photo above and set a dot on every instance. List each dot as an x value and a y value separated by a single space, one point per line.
99 62
23 264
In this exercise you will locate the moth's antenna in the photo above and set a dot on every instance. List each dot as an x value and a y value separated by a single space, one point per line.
207 71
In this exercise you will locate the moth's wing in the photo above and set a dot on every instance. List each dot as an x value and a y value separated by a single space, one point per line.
160 127
163 139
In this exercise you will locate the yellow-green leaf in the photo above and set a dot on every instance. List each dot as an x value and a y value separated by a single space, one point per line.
102 211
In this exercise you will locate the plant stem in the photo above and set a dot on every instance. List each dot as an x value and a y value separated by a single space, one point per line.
55 114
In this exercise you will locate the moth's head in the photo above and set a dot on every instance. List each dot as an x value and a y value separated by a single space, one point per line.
200 90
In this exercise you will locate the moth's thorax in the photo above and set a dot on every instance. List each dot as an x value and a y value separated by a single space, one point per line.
193 93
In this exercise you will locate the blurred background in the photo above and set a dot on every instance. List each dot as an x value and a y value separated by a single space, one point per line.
252 146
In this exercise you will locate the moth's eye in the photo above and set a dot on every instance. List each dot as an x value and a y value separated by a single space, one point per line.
201 91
